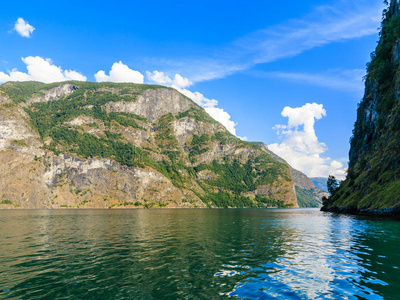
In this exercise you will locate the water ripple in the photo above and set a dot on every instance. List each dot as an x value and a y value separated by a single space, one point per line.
197 254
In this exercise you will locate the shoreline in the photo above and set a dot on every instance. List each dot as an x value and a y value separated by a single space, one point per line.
393 212
150 208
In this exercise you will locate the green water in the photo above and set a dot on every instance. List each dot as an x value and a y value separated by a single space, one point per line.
197 254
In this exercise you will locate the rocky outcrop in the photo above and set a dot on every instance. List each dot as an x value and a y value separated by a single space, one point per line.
54 93
373 181
153 104
126 146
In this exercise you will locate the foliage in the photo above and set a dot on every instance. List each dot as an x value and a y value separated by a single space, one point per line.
165 137
307 198
19 143
199 140
46 116
23 91
197 113
240 178
225 199
332 184
382 68
5 201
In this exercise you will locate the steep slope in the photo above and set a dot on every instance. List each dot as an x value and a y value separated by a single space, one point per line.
82 144
307 194
373 180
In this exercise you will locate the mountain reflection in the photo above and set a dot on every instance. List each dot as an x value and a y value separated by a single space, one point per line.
196 254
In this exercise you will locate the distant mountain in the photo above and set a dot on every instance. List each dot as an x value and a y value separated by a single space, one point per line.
373 181
121 145
308 195
320 182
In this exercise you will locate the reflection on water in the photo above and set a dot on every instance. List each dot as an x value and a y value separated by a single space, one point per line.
197 254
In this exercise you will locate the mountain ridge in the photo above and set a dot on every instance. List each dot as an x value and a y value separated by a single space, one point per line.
116 145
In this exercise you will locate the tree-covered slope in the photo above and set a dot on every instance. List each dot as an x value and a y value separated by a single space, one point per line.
307 194
83 144
373 180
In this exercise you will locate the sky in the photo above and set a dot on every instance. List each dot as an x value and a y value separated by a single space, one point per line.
286 73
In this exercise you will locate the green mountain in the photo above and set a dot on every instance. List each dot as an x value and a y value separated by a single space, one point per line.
373 181
307 194
109 145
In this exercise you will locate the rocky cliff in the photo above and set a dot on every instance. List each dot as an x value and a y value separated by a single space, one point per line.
373 181
307 194
107 145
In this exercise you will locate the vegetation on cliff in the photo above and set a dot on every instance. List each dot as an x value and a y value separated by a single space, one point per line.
373 180
138 127
307 193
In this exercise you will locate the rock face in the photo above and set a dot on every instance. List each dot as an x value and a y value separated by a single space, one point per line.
307 194
106 145
373 181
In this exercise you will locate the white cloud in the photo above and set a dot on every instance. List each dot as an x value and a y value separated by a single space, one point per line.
158 77
120 73
181 82
23 28
178 82
300 146
40 69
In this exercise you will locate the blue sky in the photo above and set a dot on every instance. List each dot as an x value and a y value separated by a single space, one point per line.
254 57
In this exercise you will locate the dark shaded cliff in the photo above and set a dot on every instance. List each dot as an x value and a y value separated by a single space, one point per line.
373 181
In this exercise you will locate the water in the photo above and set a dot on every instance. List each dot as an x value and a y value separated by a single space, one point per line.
197 254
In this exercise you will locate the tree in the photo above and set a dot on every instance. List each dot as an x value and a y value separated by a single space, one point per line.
332 184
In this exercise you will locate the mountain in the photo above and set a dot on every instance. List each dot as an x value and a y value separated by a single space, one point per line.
307 194
320 182
116 145
373 181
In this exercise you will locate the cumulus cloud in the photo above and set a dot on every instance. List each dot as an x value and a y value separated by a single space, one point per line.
23 28
158 77
178 82
181 82
40 69
120 73
300 146
210 105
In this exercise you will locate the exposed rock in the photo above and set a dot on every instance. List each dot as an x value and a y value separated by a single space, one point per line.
127 145
153 104
54 94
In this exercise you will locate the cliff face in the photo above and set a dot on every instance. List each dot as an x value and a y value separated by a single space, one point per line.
102 145
307 194
373 180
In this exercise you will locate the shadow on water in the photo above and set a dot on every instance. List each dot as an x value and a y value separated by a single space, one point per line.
196 254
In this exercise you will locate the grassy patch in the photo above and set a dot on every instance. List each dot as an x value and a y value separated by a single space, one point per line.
19 143
5 201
